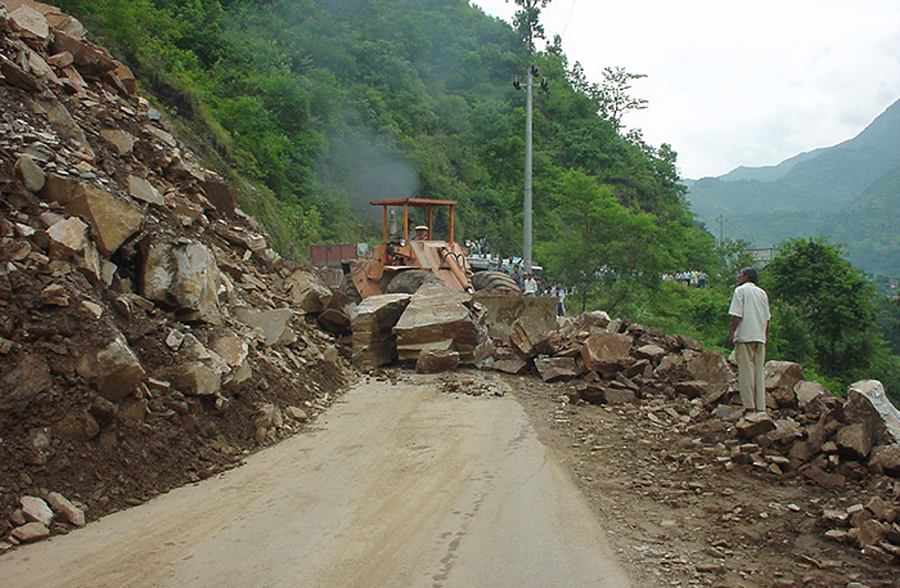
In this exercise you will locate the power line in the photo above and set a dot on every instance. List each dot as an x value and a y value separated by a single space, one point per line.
569 18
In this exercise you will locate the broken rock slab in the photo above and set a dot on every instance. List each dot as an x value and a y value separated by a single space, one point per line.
868 404
432 361
603 351
308 291
335 321
36 510
885 459
436 313
513 366
808 392
529 339
554 369
754 424
113 219
30 532
115 368
854 441
31 24
372 322
183 276
273 324
65 510
141 189
709 366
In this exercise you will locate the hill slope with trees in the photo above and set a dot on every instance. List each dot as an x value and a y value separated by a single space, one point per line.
323 106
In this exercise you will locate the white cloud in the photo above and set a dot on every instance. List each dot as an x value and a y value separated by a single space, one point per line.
739 84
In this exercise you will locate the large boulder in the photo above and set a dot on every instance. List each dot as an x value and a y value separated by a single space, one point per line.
273 324
868 404
529 338
183 276
503 310
602 352
372 322
113 219
308 291
115 368
783 374
436 313
854 441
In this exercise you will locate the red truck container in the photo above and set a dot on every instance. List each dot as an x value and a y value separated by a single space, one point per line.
335 254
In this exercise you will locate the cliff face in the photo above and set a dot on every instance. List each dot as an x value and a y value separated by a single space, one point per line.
148 334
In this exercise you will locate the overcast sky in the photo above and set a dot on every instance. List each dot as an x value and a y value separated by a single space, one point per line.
738 83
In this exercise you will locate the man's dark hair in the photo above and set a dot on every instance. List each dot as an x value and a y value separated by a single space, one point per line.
751 274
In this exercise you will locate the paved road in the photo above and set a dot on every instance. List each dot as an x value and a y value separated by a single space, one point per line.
399 486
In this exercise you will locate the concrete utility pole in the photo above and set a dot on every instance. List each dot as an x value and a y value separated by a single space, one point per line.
526 232
529 109
721 220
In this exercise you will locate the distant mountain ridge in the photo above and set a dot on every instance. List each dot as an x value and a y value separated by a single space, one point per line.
850 191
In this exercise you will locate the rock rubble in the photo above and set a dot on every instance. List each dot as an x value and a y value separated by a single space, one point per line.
149 335
678 385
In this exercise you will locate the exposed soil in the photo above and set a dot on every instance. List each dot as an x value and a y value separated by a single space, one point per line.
677 517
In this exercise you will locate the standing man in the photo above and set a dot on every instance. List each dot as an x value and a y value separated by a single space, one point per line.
560 300
530 285
749 332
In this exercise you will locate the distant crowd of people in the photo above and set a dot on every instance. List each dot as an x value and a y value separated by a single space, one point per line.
692 278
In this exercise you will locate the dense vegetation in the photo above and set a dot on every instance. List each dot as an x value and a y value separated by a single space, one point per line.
315 107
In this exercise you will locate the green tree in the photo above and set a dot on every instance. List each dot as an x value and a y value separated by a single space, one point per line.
832 301
615 94
527 21
603 249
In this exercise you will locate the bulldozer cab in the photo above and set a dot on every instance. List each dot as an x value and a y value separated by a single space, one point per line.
390 221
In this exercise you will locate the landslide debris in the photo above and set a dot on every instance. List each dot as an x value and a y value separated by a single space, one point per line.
149 336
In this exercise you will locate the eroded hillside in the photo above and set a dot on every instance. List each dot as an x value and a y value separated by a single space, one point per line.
149 336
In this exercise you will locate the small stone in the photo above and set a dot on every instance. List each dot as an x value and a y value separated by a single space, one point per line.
296 413
30 532
31 175
55 295
66 511
36 510
754 424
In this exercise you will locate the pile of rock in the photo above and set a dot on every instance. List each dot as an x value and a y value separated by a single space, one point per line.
145 319
437 327
806 431
35 517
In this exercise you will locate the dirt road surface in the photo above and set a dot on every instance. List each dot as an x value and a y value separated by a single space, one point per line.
400 484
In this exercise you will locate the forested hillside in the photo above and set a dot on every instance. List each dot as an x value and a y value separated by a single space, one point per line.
322 106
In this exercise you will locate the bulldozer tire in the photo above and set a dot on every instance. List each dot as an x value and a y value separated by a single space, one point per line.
494 281
411 280
349 289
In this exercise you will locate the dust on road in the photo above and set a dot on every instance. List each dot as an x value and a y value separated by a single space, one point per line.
400 485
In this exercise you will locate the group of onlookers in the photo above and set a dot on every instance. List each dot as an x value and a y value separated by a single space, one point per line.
694 278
